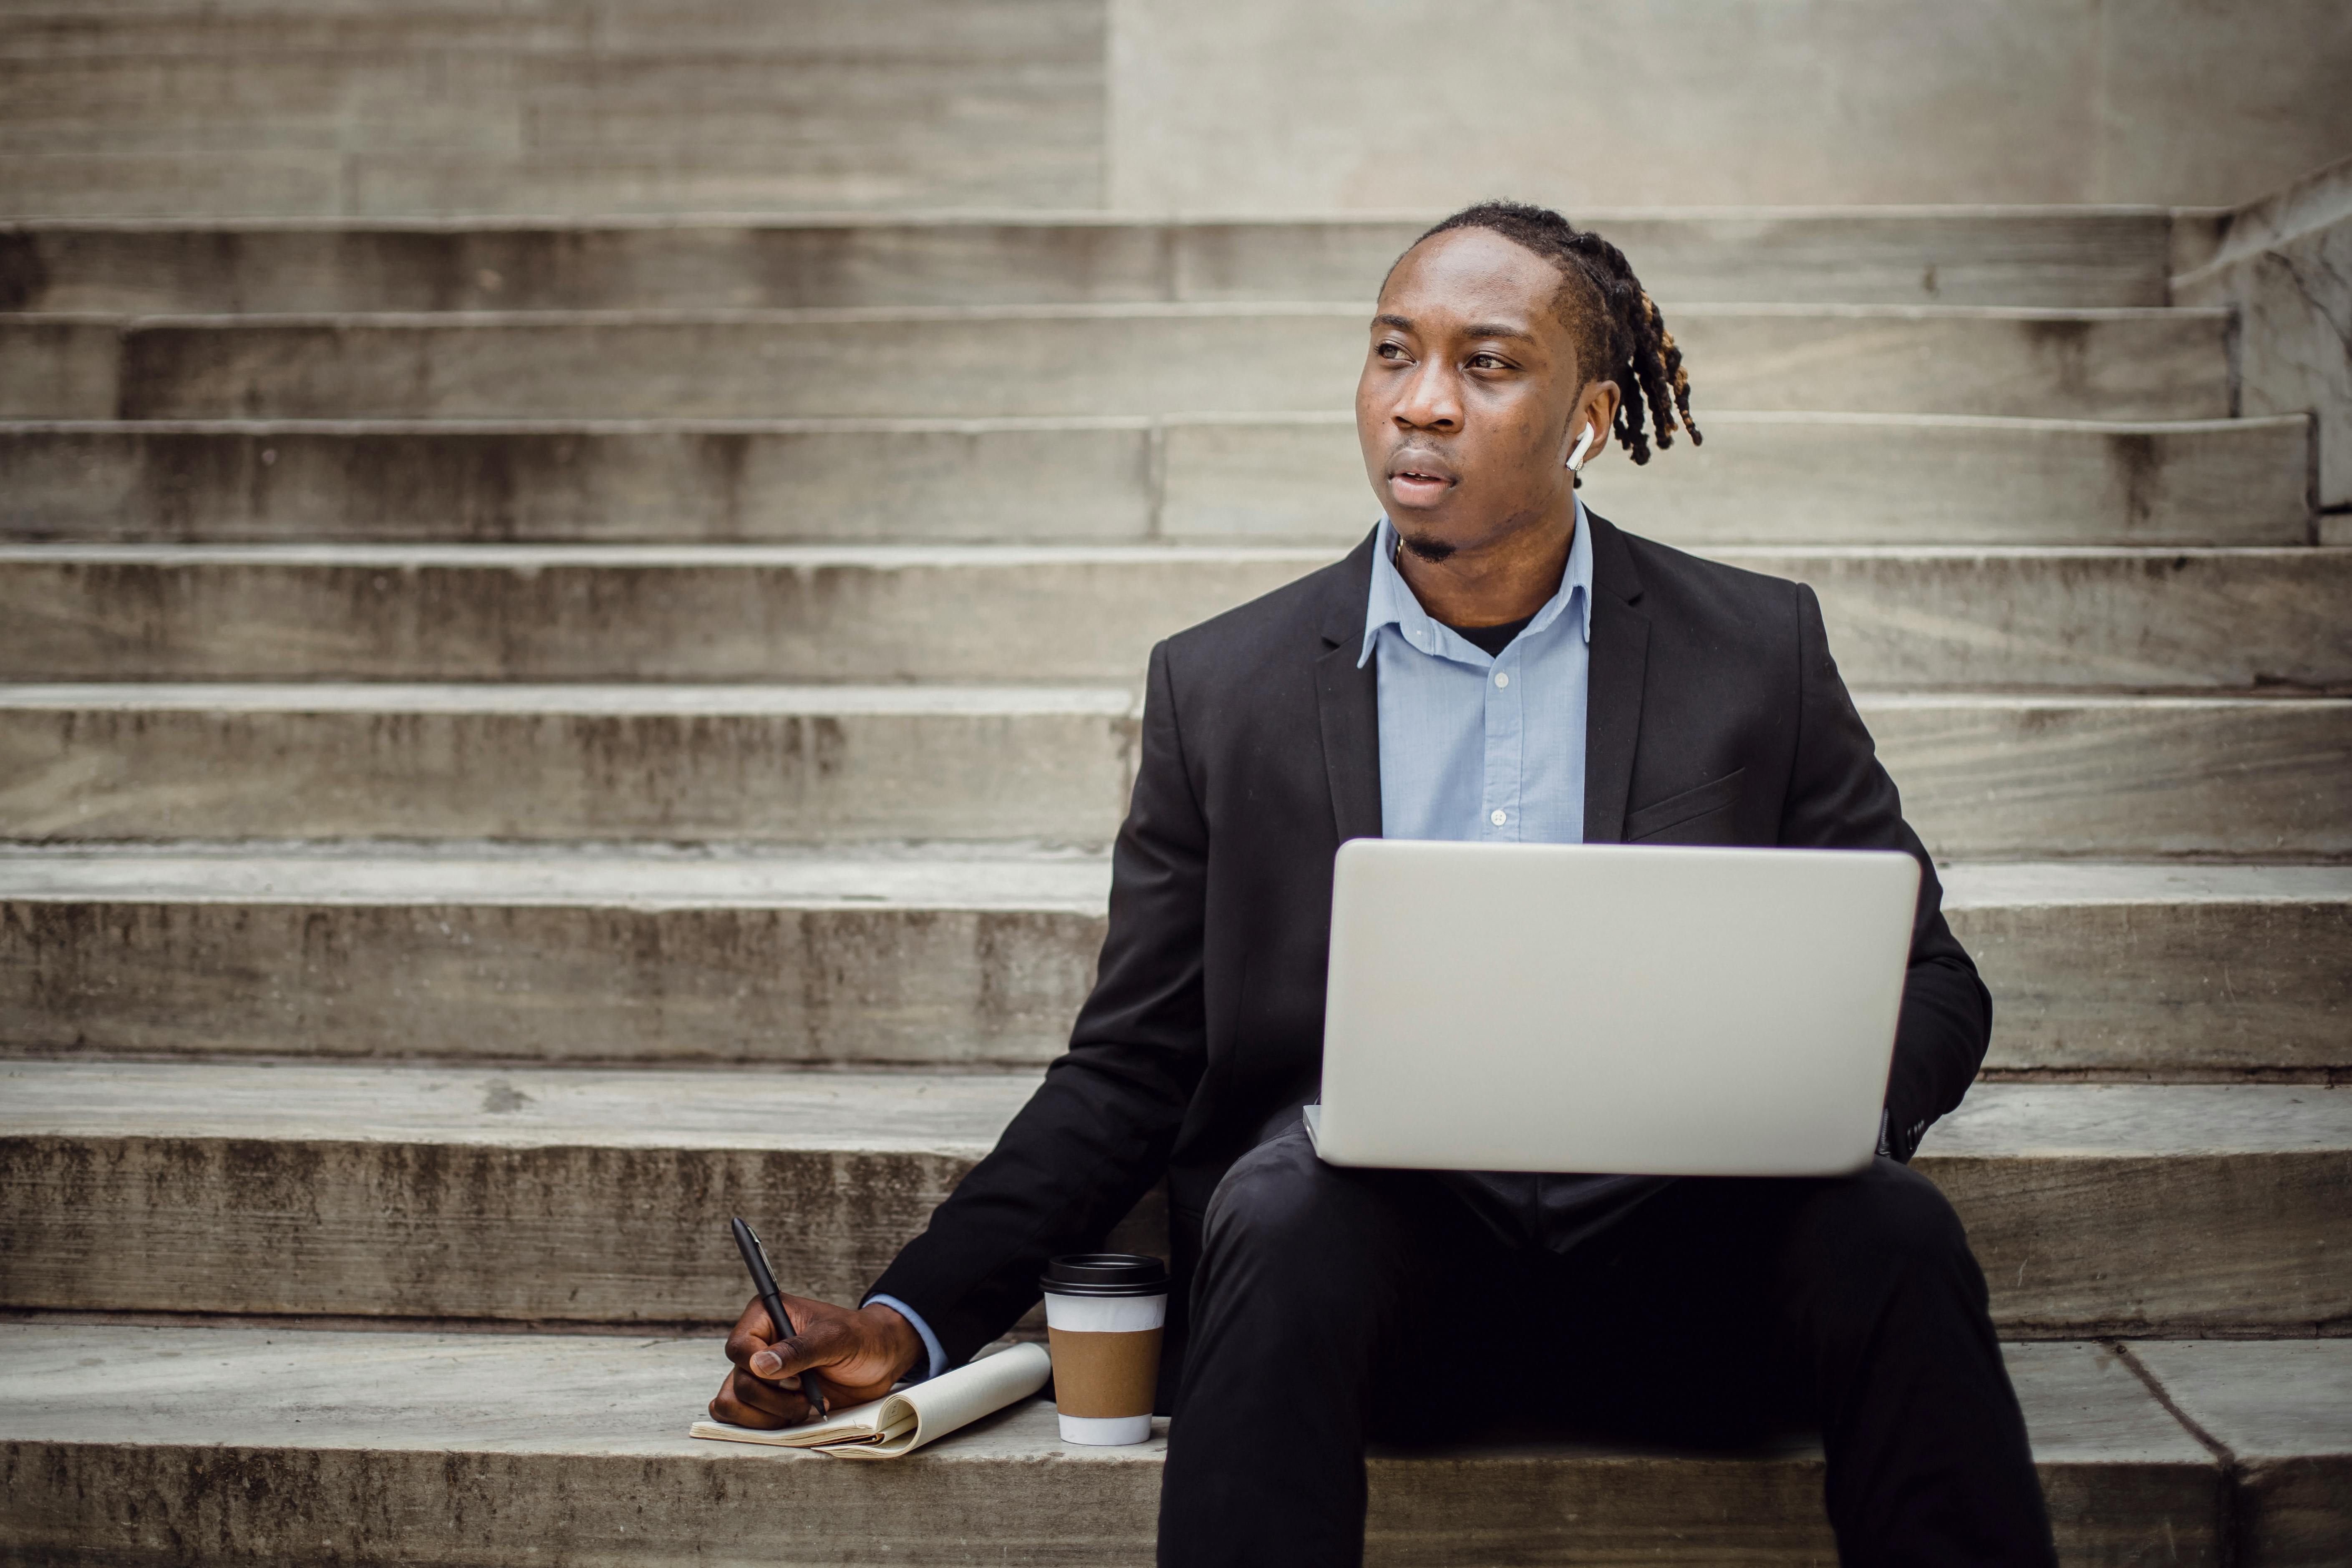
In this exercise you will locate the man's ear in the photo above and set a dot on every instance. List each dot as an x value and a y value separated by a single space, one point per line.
1597 408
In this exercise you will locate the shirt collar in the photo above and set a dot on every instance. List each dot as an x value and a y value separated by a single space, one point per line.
1392 603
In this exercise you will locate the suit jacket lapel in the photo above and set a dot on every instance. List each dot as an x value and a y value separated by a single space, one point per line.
1612 713
1349 700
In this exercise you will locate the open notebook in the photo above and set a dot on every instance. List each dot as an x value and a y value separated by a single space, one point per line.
905 1419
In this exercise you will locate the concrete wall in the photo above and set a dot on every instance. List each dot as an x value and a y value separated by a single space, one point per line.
1289 105
221 107
382 108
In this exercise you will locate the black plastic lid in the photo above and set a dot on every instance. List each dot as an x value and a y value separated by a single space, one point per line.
1104 1274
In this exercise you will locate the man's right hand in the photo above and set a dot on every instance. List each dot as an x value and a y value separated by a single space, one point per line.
857 1355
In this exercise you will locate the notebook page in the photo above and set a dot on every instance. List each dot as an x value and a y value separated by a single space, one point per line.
955 1399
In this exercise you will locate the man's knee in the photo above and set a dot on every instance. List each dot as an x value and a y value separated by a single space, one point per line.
1885 1220
1269 1197
1282 1211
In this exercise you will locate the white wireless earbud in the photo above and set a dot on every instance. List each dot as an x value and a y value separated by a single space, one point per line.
1583 445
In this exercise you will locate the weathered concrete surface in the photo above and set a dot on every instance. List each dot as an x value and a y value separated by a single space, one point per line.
2285 1413
541 108
558 1194
557 955
1760 478
2285 267
2056 256
476 1448
1921 617
2143 1209
2134 363
625 612
553 955
1914 618
670 764
2123 777
59 367
730 107
1984 776
2162 970
531 1194
1067 478
1994 100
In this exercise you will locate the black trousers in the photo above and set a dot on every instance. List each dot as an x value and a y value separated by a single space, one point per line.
1331 1305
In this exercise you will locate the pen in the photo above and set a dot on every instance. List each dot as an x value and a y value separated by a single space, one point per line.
764 1280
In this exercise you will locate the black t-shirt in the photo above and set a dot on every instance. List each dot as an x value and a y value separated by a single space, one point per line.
1490 641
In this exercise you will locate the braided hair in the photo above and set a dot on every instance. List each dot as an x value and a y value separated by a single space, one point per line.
1618 331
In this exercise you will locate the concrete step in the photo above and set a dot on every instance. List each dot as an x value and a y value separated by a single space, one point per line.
2121 777
1910 617
988 362
2054 257
895 955
2279 1414
546 1193
879 954
1984 776
495 1448
1760 478
664 762
2161 969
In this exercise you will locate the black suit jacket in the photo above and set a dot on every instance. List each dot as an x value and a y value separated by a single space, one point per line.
1715 716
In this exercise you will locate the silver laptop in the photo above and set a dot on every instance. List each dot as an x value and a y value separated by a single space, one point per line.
1608 1008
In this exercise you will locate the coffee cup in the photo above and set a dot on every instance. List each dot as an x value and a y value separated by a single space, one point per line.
1104 1315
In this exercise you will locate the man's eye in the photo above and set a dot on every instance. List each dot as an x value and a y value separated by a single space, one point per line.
1484 361
1389 351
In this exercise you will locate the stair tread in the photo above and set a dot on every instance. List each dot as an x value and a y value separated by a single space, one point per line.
856 875
1982 884
916 698
2290 1398
1923 213
1009 875
832 1110
882 557
958 1112
1150 309
456 425
582 1394
580 697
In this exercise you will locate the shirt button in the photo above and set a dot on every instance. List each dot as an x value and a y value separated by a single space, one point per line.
1501 678
1497 819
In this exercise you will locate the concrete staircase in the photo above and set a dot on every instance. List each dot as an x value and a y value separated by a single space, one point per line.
468 680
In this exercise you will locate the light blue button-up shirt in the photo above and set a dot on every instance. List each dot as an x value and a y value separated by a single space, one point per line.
1471 746
1479 747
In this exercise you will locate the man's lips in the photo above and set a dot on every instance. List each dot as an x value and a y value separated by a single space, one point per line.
1421 481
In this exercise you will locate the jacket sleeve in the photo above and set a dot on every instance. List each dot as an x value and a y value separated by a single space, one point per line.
1840 797
1098 1132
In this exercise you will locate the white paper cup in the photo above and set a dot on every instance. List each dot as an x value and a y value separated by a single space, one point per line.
1105 1332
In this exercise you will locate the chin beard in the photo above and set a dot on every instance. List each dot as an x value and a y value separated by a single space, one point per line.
1430 550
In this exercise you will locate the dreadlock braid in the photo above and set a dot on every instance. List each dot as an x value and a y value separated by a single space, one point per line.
1620 333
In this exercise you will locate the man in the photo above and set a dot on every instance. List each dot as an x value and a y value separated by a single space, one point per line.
1496 663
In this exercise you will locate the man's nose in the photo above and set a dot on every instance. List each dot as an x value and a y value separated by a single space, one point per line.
1429 401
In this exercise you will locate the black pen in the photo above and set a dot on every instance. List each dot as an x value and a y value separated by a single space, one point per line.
764 1280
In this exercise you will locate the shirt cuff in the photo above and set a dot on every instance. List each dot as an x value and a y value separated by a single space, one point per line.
938 1362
